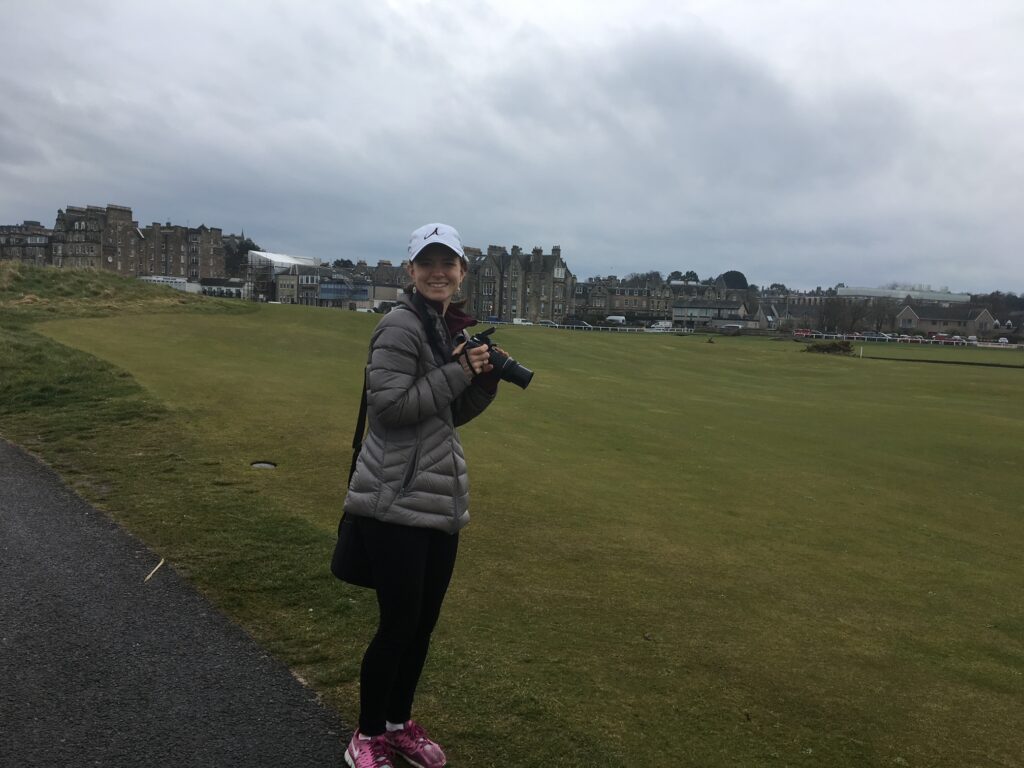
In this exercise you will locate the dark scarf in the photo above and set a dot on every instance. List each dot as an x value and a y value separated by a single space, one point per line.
441 329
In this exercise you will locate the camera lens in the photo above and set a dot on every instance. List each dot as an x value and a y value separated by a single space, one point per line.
510 370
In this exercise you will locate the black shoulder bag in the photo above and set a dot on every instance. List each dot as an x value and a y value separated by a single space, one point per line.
351 561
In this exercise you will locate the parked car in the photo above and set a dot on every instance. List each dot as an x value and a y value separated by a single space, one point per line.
547 323
616 319
1003 340
576 321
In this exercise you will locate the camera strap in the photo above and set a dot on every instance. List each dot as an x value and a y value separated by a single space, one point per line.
357 438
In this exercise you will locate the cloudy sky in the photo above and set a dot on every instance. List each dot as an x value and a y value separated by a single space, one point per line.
808 142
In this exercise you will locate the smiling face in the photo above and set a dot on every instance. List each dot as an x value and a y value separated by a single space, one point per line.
437 273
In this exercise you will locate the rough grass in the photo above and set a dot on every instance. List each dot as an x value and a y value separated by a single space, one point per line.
681 553
31 294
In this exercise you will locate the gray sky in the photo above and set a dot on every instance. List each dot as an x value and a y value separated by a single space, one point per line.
799 141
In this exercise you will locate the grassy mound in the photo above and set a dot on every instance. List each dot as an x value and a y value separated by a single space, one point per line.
31 294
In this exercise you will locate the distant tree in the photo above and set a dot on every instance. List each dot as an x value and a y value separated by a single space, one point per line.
998 303
881 314
842 316
645 277
833 318
342 264
778 287
735 279
236 256
675 275
690 276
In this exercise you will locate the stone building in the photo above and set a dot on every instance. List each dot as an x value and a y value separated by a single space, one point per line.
94 237
505 285
191 252
108 238
934 318
639 299
707 313
29 242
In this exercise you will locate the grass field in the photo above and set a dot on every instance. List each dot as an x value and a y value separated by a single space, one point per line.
1008 356
692 554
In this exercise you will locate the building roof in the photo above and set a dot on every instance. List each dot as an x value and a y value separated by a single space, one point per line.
889 293
938 312
706 304
283 259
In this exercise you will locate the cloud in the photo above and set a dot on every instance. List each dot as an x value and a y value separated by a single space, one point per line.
333 131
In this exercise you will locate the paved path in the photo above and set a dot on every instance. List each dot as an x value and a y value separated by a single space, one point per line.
98 668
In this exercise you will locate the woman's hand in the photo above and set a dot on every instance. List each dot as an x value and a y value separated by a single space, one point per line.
474 361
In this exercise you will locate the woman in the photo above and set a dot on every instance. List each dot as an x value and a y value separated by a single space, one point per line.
409 493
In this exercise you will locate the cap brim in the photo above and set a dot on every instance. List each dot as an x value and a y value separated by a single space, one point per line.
437 242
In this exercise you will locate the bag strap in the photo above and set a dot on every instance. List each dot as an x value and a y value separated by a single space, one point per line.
357 438
431 322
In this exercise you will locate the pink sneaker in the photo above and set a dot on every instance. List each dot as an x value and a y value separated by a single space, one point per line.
373 752
413 744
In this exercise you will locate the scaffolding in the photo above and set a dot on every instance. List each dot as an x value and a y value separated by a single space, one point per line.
259 278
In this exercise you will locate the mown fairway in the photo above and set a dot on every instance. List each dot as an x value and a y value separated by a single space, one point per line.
987 355
682 553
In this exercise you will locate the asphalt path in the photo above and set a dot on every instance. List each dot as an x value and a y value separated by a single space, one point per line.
99 667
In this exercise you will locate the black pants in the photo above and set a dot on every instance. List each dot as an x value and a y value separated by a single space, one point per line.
411 568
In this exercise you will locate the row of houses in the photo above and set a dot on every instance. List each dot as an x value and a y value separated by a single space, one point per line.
108 238
502 283
911 318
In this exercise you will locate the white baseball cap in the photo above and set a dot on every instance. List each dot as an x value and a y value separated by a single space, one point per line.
435 233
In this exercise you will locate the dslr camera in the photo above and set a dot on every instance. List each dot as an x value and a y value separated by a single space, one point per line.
508 368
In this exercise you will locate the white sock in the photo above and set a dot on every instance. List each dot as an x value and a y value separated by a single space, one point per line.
394 726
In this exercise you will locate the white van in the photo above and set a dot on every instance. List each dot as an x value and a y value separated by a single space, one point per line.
661 326
520 321
616 319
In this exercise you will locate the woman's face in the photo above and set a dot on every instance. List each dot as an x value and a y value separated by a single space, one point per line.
437 273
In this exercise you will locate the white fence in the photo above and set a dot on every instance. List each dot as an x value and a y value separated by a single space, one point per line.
894 339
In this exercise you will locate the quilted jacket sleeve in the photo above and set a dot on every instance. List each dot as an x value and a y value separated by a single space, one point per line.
470 404
396 392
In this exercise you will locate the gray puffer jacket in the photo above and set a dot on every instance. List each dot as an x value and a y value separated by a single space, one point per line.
411 469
